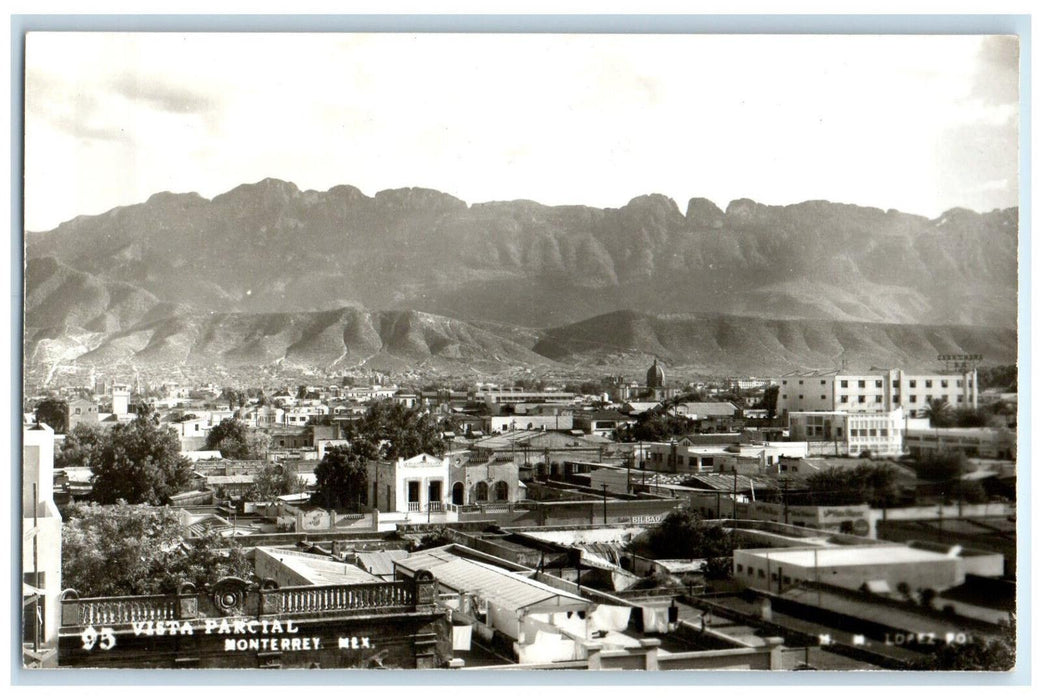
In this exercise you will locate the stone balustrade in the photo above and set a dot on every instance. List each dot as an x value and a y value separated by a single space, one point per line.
233 597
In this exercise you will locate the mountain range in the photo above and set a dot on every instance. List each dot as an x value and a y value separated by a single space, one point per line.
268 273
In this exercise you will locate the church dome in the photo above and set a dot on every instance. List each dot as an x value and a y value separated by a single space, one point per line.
656 377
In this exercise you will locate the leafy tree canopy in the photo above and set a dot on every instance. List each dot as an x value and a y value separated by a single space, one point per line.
875 484
390 430
655 427
55 413
274 480
139 463
683 534
234 439
978 654
123 549
79 446
341 479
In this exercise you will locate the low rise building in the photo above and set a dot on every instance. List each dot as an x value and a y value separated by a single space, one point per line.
881 434
425 483
990 443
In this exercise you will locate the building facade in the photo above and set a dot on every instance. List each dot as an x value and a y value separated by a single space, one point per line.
875 392
880 433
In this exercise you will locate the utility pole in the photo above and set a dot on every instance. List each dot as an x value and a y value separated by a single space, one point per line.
604 501
734 496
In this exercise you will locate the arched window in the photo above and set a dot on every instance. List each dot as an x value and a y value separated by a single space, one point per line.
457 493
481 491
501 492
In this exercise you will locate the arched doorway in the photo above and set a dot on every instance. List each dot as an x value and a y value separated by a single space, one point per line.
457 493
500 491
481 491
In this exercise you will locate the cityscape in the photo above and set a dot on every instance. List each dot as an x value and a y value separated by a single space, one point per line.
285 424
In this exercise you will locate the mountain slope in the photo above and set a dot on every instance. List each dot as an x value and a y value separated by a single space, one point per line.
330 340
732 344
271 247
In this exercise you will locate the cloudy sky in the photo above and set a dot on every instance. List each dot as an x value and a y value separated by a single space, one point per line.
920 124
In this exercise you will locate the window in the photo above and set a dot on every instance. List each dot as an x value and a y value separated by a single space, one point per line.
958 383
77 411
843 383
879 399
958 399
929 383
861 398
897 384
785 382
884 432
738 568
944 383
801 397
822 397
911 383
872 432
787 579
823 382
879 383
774 575
912 398
896 398
929 397
760 573
801 382
785 396
861 384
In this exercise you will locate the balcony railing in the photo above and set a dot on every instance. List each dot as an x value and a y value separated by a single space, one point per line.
435 506
237 597
414 506
365 596
117 611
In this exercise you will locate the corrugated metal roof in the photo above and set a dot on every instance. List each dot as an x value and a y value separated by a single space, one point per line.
510 590
380 563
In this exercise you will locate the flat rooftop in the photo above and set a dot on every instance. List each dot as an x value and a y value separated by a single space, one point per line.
319 570
849 556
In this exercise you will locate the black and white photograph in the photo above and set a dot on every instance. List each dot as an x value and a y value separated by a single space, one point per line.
514 352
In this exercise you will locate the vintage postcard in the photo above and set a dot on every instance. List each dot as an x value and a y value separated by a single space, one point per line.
508 351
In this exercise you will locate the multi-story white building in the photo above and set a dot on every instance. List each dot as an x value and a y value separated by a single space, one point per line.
874 392
516 395
881 433
41 549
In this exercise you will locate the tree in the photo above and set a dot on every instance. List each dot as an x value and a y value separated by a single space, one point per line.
939 412
875 484
232 438
683 534
769 400
977 654
341 479
274 480
79 446
390 430
652 426
234 397
941 466
55 413
140 463
123 549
